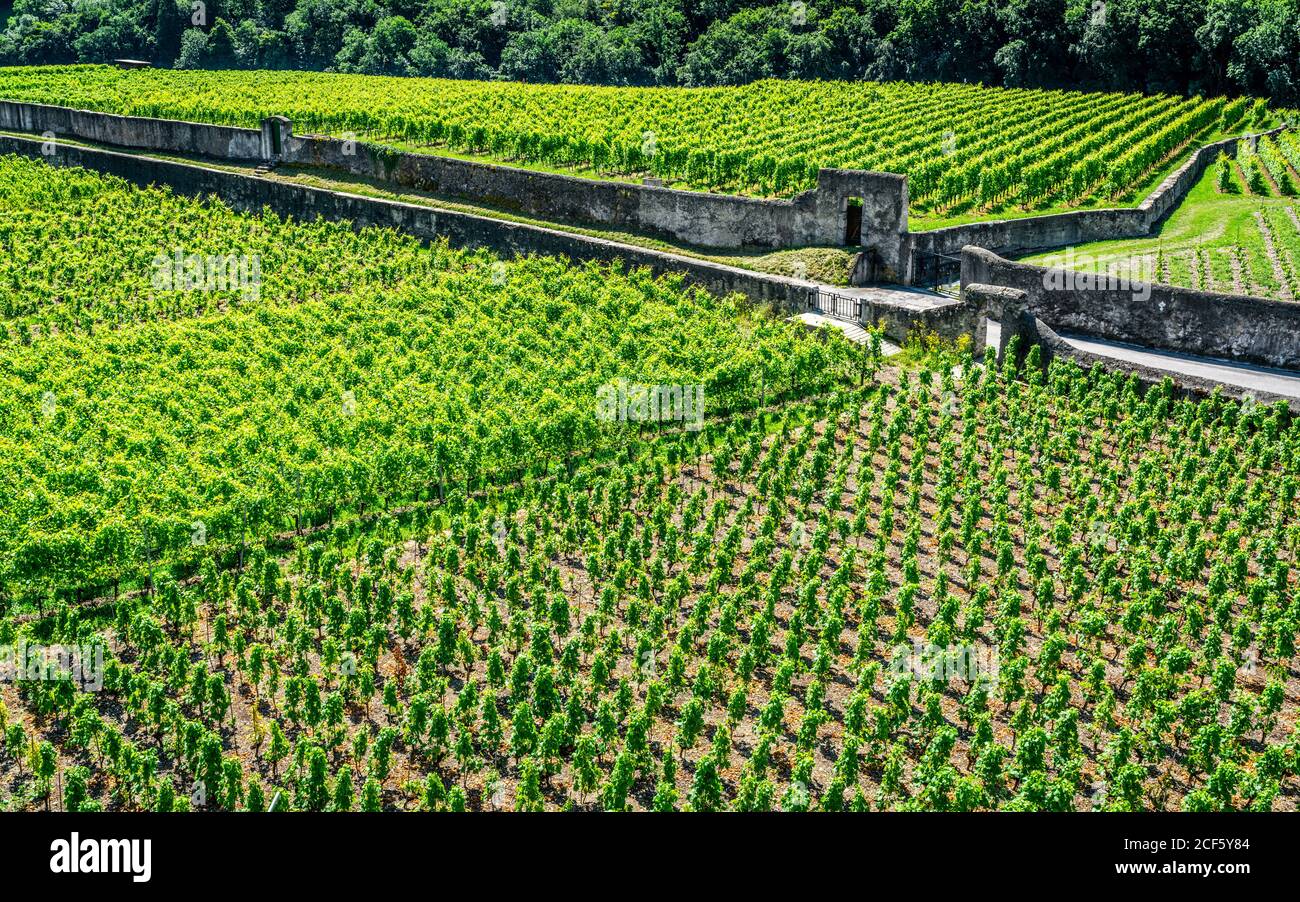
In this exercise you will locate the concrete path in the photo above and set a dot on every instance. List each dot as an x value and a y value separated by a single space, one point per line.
852 331
1285 383
905 296
902 297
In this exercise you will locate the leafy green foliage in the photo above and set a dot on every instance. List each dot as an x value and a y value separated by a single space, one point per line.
963 147
142 429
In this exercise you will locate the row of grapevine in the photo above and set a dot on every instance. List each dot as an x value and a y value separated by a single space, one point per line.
1252 170
1276 163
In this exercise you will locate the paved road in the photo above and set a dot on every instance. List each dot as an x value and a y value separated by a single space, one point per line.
1285 383
1252 378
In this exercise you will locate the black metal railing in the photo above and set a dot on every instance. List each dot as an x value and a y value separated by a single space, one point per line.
839 306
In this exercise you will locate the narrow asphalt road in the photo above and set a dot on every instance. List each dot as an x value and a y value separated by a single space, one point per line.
1244 375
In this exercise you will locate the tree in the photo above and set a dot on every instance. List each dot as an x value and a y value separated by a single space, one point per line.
220 50
691 723
313 787
45 764
732 52
665 797
384 51
528 794
523 734
193 50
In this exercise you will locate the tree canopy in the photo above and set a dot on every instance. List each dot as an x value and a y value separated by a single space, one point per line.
1172 46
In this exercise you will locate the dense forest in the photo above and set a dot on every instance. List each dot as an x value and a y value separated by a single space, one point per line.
1176 46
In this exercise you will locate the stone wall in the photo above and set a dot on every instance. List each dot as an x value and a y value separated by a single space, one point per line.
1007 306
949 321
815 217
1206 323
1017 237
216 141
1013 237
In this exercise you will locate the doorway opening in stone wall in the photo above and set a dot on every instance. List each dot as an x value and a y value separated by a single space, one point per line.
853 221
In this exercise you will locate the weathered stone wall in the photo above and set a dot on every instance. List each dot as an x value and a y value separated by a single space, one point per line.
1016 237
216 141
1007 306
949 321
1206 323
816 217
250 193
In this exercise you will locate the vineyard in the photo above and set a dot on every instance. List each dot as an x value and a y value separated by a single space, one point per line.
357 534
359 370
966 149
1238 231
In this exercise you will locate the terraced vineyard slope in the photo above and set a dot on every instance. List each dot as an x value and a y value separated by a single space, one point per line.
964 148
166 363
931 595
380 541
1238 232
